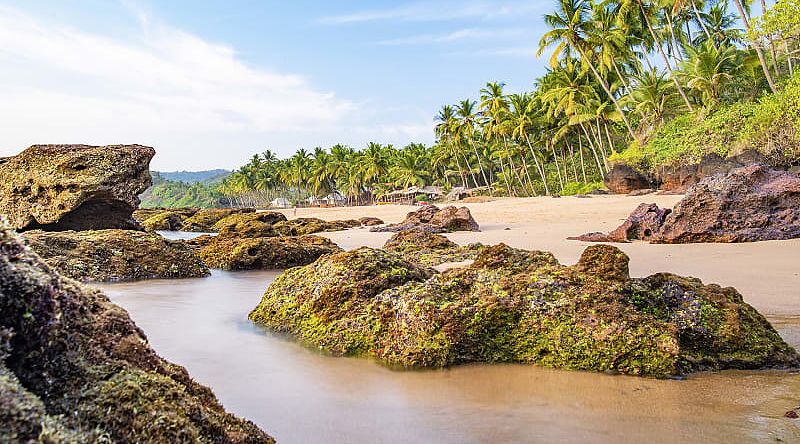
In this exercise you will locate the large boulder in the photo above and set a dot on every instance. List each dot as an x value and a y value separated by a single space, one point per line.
164 221
521 306
249 224
203 220
115 255
309 225
643 224
264 253
679 178
75 368
624 179
752 203
434 220
422 247
74 187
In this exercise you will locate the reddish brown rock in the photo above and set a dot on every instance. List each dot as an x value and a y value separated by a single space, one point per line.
645 222
431 219
623 179
679 178
752 203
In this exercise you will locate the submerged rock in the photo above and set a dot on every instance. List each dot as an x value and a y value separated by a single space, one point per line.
203 220
434 220
753 203
264 253
623 179
422 247
115 255
74 187
644 223
249 224
75 368
310 225
520 306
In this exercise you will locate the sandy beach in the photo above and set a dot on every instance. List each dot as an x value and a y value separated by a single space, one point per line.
766 273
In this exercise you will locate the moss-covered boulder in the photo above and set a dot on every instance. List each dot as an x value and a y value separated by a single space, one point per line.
310 225
142 214
521 306
75 368
369 221
264 253
422 247
165 221
74 187
249 224
116 255
203 220
432 219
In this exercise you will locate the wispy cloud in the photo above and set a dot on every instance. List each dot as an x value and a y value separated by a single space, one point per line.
528 52
438 11
454 36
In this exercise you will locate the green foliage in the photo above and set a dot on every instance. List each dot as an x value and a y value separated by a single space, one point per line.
574 188
169 194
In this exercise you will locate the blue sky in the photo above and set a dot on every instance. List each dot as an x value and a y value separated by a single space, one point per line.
210 83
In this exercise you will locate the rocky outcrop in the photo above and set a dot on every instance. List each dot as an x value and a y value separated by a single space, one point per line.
249 225
115 255
752 203
644 223
74 187
164 221
434 220
370 221
520 306
623 179
203 220
309 225
679 178
75 368
422 247
264 253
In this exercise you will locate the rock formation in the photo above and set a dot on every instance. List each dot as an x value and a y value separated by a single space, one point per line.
115 255
74 187
520 306
264 253
679 178
203 220
310 225
434 220
623 179
75 368
422 247
645 222
370 221
249 225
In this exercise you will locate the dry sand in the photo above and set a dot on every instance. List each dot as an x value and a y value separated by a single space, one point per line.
766 273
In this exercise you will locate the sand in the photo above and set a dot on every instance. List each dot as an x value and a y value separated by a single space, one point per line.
766 273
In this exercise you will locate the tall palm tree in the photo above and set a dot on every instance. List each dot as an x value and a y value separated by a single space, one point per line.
740 6
465 128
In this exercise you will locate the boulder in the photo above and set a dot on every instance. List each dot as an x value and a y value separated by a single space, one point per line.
203 220
643 224
370 221
679 178
142 214
434 220
249 224
524 307
75 368
163 221
265 253
624 179
752 203
422 247
115 255
74 187
309 225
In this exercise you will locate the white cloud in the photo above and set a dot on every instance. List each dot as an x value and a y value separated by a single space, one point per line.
197 102
454 36
438 11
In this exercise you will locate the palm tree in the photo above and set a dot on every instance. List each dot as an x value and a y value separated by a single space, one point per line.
654 97
709 68
741 7
467 119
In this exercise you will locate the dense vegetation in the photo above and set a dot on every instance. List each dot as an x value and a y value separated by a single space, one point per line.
195 176
167 193
649 82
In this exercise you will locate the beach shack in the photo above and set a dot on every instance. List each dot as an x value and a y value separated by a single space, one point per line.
280 202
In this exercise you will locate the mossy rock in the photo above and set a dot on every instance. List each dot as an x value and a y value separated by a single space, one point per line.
75 368
249 224
310 225
164 221
116 255
203 220
264 253
429 249
521 306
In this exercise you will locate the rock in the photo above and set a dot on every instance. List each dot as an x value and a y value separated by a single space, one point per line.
164 221
643 224
370 221
74 187
434 220
421 247
679 178
623 179
309 225
265 253
249 224
791 414
643 192
520 306
159 214
753 203
795 170
75 368
203 221
115 255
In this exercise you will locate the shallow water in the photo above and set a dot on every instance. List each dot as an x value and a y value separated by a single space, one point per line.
182 235
300 396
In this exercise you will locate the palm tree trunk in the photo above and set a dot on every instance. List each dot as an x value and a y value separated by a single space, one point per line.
664 56
528 175
621 77
772 49
558 170
602 145
676 54
583 163
511 162
539 167
505 176
756 47
608 135
594 151
702 24
480 165
572 161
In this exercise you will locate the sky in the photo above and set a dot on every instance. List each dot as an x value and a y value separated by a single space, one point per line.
209 84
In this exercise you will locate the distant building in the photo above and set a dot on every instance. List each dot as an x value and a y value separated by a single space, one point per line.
280 202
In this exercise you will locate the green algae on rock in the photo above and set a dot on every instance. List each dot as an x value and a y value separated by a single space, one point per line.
521 306
165 221
203 220
115 255
264 253
249 224
310 225
75 368
423 247
74 187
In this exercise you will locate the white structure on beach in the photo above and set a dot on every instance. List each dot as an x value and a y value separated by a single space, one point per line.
280 202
